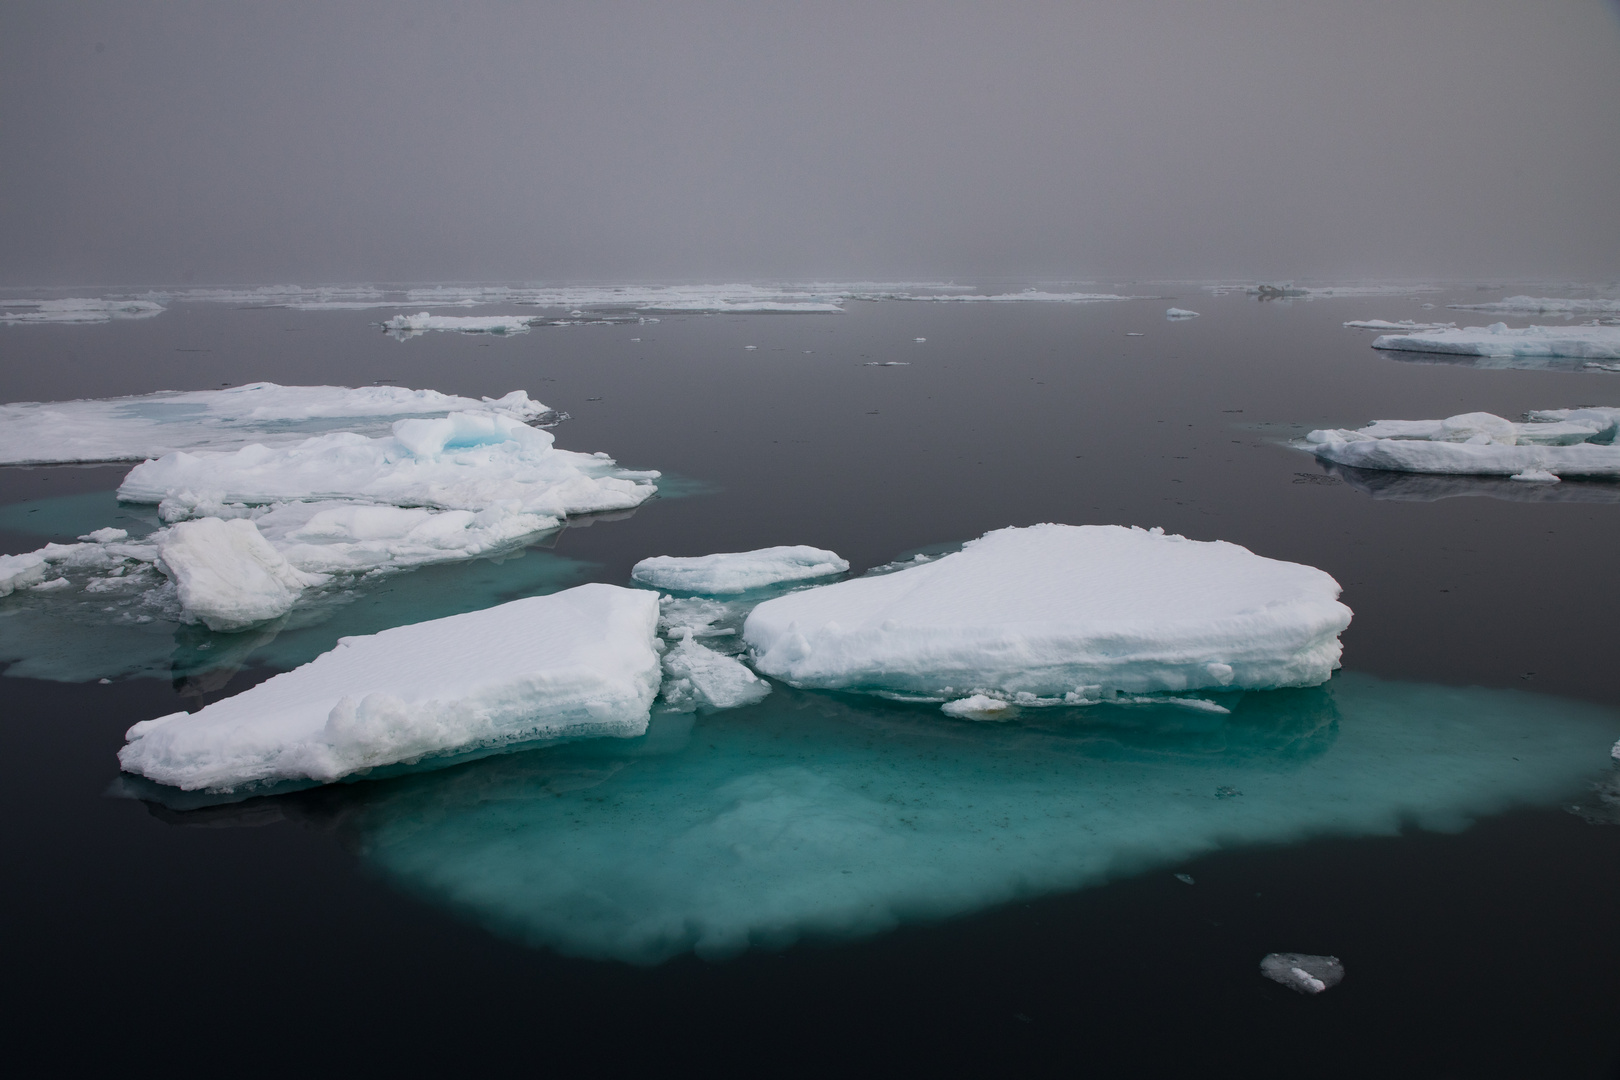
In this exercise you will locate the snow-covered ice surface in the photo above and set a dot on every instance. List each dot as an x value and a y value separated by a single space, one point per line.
1060 614
227 576
1549 444
1025 296
75 310
151 425
697 676
1498 339
1303 973
466 324
1404 326
823 817
737 572
1538 305
1180 313
575 663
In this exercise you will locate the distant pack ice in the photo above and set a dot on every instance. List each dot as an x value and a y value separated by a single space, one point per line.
1405 326
466 324
1060 614
1550 444
1545 304
737 572
1498 339
75 310
578 662
151 425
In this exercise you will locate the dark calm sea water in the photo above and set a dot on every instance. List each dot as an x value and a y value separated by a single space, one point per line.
418 923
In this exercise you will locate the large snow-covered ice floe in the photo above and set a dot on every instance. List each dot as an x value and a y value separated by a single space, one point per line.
151 425
466 324
75 310
1056 614
1498 339
1539 305
737 572
836 817
576 663
1551 443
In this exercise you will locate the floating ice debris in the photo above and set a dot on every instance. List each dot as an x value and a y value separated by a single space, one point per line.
1535 476
466 324
980 707
1026 296
105 536
1180 313
1543 304
151 425
1552 443
1060 614
750 348
887 363
1404 326
464 461
835 817
698 676
1303 973
228 576
1580 342
1186 879
75 310
920 340
575 663
719 575
20 572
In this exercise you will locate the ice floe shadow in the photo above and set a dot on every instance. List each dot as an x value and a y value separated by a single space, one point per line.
824 816
1431 487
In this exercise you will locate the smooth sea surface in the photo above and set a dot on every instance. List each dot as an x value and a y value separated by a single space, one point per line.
827 883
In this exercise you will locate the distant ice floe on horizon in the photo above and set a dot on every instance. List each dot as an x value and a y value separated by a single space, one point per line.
1025 296
1598 343
1174 314
75 310
820 817
1540 305
1060 614
737 572
1288 290
1551 443
466 324
151 425
1404 326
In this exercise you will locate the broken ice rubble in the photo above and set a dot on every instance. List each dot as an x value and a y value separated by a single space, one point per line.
698 676
1580 342
151 425
1550 444
1056 614
75 310
579 662
1303 973
227 575
737 572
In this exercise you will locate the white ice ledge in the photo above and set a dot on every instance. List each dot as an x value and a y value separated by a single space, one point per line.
1498 339
1550 444
75 310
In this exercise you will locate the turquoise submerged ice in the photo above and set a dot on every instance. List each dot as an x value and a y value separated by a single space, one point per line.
825 816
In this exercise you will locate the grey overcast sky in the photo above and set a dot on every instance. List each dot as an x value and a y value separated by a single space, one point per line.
159 143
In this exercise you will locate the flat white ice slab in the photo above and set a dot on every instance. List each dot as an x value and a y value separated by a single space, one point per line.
1060 612
1552 443
75 310
151 425
1545 304
1580 342
1405 326
736 572
1180 313
466 324
575 663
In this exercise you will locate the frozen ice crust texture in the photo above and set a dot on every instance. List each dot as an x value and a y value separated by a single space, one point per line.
577 662
737 572
1060 613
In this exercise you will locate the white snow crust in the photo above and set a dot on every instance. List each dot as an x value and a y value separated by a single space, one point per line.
1580 342
575 663
1060 614
737 572
75 310
151 425
1550 444
1538 305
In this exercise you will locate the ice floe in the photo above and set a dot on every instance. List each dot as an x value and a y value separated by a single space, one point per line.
1302 972
1539 305
1498 339
698 676
1288 290
466 324
75 310
151 425
1180 313
737 572
1025 296
1060 614
575 663
227 575
1404 326
1549 444
831 817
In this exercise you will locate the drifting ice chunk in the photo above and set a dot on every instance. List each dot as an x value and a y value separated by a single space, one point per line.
1057 609
1541 304
151 425
75 310
20 571
1180 313
1404 326
1303 973
579 662
737 572
979 707
227 575
696 675
1553 443
1581 342
465 461
467 324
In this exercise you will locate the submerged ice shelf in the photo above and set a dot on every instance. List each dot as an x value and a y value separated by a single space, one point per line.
1550 444
831 817
1498 339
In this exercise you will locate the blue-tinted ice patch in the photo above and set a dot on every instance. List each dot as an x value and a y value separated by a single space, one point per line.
814 815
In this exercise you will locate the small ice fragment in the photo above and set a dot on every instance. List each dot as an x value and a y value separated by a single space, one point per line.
1185 879
20 571
696 675
54 583
736 572
1180 313
229 576
105 536
1301 972
104 682
919 340
750 348
1535 476
979 707
1225 792
1614 751
1133 333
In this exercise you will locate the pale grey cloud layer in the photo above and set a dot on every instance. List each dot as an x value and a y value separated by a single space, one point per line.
147 142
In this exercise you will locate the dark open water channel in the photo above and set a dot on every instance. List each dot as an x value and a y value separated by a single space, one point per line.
297 933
